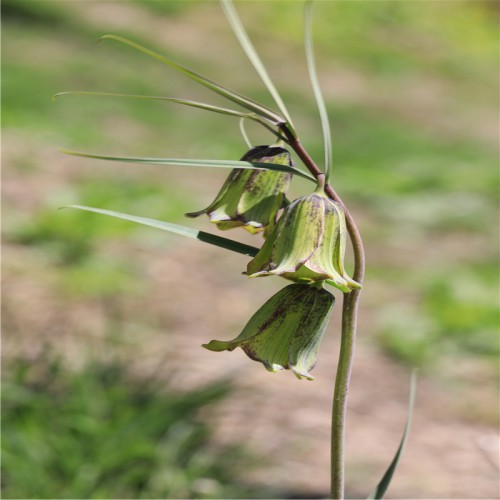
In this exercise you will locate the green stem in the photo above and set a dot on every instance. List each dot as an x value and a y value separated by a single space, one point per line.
342 380
348 339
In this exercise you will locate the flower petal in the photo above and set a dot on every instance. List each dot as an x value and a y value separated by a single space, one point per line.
305 343
294 240
284 333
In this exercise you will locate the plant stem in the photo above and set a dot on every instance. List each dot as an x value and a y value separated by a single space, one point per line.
349 321
342 379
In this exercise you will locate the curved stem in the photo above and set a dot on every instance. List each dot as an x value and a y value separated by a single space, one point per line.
349 320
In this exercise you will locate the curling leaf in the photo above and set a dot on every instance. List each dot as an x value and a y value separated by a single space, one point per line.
244 133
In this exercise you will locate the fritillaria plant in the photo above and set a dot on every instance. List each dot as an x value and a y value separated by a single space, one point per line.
305 239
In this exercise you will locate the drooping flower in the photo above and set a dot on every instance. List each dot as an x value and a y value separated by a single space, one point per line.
307 244
286 331
251 198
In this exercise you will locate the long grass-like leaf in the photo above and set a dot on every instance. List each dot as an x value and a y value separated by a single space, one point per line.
244 133
383 485
185 102
249 49
313 76
181 162
232 95
212 239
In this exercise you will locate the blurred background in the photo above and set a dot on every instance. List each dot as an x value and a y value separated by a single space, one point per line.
106 390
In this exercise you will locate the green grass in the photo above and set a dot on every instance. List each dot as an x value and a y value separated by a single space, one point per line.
456 314
101 432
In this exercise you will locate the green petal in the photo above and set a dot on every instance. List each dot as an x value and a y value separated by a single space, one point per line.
226 225
251 198
286 331
264 191
263 257
269 332
322 264
304 347
274 332
339 254
322 261
263 197
294 240
232 178
301 235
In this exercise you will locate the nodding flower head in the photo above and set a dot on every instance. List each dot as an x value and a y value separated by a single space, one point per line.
286 331
307 244
251 198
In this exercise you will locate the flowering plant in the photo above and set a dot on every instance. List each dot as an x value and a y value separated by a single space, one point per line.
305 239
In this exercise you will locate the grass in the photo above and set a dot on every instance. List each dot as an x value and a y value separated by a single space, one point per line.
101 432
451 321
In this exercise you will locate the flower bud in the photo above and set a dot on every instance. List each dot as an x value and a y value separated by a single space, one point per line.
286 331
307 244
251 198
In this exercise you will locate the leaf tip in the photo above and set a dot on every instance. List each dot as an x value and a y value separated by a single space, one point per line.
104 37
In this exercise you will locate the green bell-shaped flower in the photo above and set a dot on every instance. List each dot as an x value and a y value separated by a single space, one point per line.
307 244
286 331
251 198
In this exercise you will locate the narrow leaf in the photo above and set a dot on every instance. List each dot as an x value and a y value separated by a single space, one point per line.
244 133
186 102
249 49
384 483
313 76
196 163
232 95
212 239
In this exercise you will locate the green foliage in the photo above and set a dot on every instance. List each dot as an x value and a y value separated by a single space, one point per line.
102 433
457 315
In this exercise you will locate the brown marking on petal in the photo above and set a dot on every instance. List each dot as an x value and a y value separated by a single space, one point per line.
252 185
